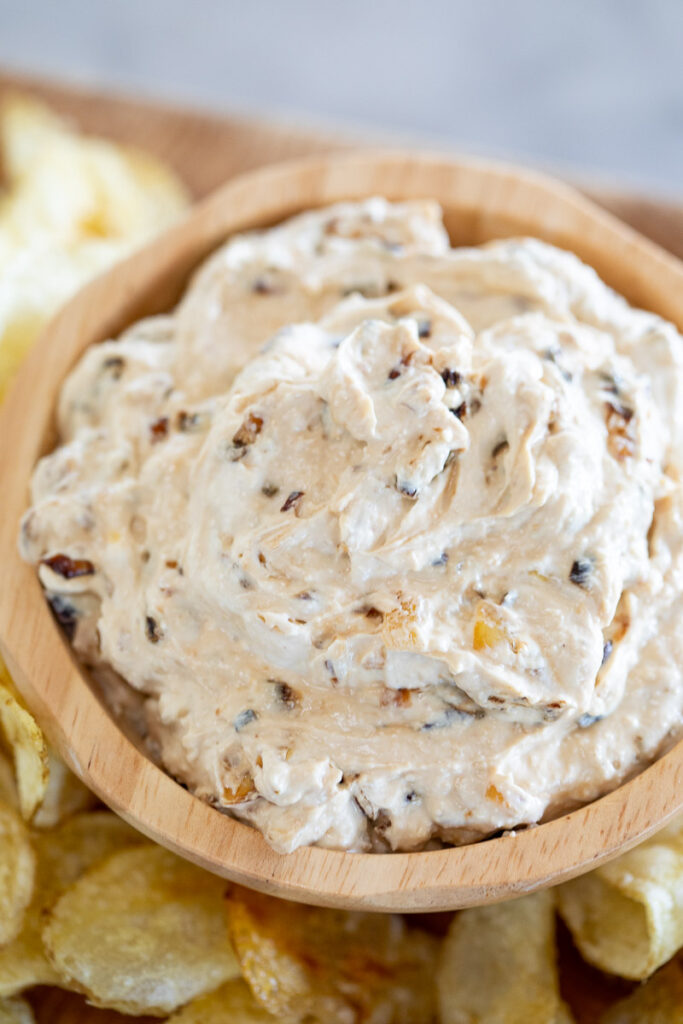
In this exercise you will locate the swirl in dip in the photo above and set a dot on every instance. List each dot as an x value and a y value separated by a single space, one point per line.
387 534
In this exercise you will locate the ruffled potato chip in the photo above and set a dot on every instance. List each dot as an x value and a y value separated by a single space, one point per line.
74 206
626 917
77 845
63 855
23 963
72 185
42 785
16 1011
65 795
143 932
498 965
17 870
331 965
658 1001
24 126
26 744
232 1003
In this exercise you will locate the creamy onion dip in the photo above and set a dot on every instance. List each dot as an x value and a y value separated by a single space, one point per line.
388 535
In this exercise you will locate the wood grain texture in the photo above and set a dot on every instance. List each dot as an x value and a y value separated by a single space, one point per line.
480 201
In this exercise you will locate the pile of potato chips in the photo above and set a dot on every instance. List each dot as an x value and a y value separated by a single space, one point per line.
90 906
70 208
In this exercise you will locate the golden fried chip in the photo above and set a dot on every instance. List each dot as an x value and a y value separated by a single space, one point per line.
74 206
498 965
143 932
77 186
26 744
658 1001
626 917
25 127
17 870
65 795
63 855
23 963
332 965
16 1011
232 1003
77 845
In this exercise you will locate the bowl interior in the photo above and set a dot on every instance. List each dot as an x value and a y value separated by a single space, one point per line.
480 202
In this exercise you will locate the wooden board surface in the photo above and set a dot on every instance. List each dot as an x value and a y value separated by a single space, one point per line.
206 150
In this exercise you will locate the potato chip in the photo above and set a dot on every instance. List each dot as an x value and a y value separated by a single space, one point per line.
17 871
25 126
74 206
332 965
23 963
658 1001
16 1011
63 855
626 917
77 845
232 1003
72 186
65 795
498 965
26 744
143 932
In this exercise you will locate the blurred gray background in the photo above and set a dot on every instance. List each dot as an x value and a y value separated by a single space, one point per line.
592 88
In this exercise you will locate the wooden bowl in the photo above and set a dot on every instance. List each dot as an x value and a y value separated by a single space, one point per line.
481 201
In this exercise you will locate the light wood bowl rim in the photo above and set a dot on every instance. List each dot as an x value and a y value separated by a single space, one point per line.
492 199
